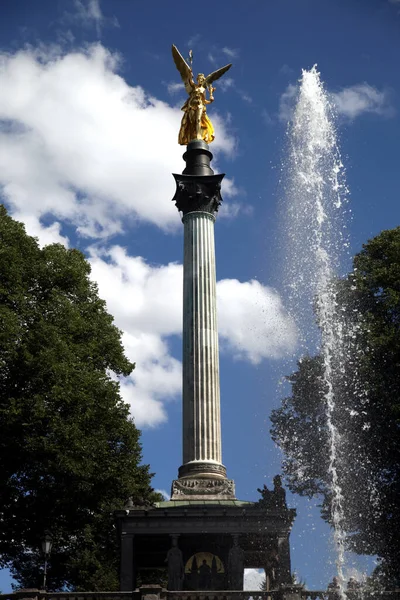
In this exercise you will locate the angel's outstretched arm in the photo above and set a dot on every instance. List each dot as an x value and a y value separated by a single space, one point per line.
211 89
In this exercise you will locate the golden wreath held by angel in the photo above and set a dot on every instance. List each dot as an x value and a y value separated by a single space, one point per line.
195 123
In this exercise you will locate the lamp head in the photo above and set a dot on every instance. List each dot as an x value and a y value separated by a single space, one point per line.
47 543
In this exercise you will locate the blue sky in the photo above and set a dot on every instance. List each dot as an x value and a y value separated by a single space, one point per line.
90 112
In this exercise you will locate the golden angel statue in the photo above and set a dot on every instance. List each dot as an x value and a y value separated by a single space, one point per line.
195 123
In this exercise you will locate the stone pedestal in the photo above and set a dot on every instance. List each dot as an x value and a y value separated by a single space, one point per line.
205 530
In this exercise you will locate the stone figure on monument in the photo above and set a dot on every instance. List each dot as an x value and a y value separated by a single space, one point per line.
271 568
194 571
353 585
279 493
354 589
266 496
204 576
195 123
235 565
275 498
334 589
175 566
214 567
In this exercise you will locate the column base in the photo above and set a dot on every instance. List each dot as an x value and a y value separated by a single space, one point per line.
199 469
203 488
200 480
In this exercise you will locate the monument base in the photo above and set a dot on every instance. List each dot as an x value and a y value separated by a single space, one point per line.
205 532
203 488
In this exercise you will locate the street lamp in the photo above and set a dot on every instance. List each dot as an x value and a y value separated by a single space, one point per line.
47 543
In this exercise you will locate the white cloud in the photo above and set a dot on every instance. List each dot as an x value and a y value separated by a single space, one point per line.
46 235
65 37
78 144
225 143
225 84
229 189
287 103
89 10
253 578
230 211
266 117
146 302
139 295
88 13
230 52
164 493
285 70
350 102
362 98
193 40
245 96
146 410
173 87
252 321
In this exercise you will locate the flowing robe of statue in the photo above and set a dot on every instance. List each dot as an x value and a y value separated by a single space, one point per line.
195 122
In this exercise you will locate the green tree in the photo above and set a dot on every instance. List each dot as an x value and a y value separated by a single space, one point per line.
69 453
367 412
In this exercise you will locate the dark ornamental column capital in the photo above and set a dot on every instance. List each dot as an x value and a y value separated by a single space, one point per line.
198 189
198 193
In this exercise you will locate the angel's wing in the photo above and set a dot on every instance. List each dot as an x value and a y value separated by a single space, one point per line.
217 74
181 65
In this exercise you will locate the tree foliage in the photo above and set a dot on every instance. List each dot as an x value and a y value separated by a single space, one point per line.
69 453
367 410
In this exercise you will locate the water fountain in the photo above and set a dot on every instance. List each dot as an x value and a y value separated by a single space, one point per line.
317 249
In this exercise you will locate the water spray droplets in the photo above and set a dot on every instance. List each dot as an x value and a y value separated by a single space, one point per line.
316 199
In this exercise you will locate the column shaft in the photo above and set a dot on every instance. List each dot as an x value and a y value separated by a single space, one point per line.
284 568
201 401
127 563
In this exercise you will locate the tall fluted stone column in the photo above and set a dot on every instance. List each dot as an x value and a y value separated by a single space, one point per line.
202 474
201 403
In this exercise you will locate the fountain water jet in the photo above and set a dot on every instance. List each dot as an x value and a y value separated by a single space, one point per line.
317 244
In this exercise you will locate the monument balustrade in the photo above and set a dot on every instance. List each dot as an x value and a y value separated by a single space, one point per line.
156 592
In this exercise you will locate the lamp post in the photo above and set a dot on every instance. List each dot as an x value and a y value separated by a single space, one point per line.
47 543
